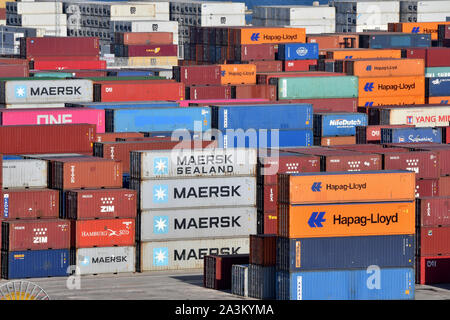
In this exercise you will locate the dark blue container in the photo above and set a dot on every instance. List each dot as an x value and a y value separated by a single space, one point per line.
438 87
120 105
411 135
338 124
131 73
344 252
298 51
35 263
261 281
266 139
394 40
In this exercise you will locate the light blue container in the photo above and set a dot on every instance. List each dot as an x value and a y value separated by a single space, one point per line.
318 87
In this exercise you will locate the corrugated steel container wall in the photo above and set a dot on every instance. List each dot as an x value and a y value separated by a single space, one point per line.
187 254
373 132
239 280
14 70
298 51
268 66
197 75
444 186
424 163
25 174
62 46
268 92
104 260
333 105
433 211
138 38
433 57
329 124
432 270
342 54
162 225
295 255
35 235
65 138
237 74
218 270
346 187
408 135
93 204
197 192
427 188
151 50
208 92
60 64
250 52
261 281
428 116
269 35
385 67
263 249
391 86
297 65
35 263
346 219
30 204
146 165
143 91
433 241
394 284
103 233
112 136
331 141
388 101
437 87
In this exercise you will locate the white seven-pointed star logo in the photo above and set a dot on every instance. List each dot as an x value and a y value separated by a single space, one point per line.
160 194
161 224
161 165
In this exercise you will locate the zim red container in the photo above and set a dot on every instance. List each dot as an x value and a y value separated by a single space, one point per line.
433 269
433 211
116 91
29 204
100 203
424 163
13 70
433 241
263 249
35 235
59 46
268 66
68 64
208 92
433 56
197 75
112 136
74 173
270 194
151 50
103 233
58 138
298 65
254 91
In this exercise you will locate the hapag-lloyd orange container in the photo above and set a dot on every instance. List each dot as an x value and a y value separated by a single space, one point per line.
238 74
337 187
419 27
346 220
270 35
438 100
391 86
385 67
350 54
390 101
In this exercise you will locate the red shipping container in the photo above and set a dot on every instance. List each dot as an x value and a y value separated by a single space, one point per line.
373 132
447 135
263 249
268 66
151 50
427 188
270 197
58 138
250 52
100 203
24 62
103 233
299 65
138 91
424 163
35 235
30 204
255 91
112 136
208 92
433 241
77 172
14 70
2 13
65 58
197 75
444 186
433 56
369 148
432 270
333 105
68 65
270 223
442 150
433 211
59 46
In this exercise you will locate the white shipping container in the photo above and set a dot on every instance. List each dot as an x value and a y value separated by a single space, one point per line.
198 223
368 6
38 19
318 29
145 10
34 7
218 20
213 8
182 163
381 27
187 254
297 12
433 6
433 17
420 117
150 25
368 19
105 260
198 192
25 174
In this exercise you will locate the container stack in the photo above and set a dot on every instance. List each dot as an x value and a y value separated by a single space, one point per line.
217 270
365 223
418 28
10 41
190 208
424 11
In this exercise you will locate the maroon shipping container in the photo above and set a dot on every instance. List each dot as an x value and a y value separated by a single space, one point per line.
433 56
298 65
424 163
263 249
333 105
197 75
35 235
270 223
433 241
217 270
369 148
250 52
433 211
64 58
331 141
97 203
444 186
77 172
432 270
30 204
151 50
58 138
268 66
59 46
14 70
112 136
208 92
256 91
270 192
427 188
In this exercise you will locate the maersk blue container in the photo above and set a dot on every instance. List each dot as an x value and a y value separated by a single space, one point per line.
334 253
373 283
35 263
438 87
411 135
264 116
266 138
298 51
338 124
121 105
157 119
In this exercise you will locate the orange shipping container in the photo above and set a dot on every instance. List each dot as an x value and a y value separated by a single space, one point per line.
385 67
346 220
391 86
334 141
270 35
350 54
334 41
238 74
438 100
339 187
390 101
419 27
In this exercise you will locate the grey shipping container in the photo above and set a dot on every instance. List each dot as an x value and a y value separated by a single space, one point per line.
261 281
25 174
104 260
239 280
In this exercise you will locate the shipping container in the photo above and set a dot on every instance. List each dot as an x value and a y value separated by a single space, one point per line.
237 74
391 86
337 187
433 241
59 46
251 52
443 153
424 163
433 211
420 27
438 100
331 141
112 136
140 38
268 66
337 124
13 70
30 204
437 87
343 54
425 116
239 280
432 57
187 254
197 75
408 135
297 65
427 188
25 174
437 72
217 272
385 67
372 133
332 105
384 40
261 282
394 284
266 138
263 249
35 235
298 51
432 270
104 260
208 92
268 92
334 253
138 91
268 35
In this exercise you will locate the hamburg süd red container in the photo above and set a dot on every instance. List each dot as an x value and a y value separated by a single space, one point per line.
433 211
103 233
30 204
427 188
154 90
197 75
208 92
424 163
100 203
35 235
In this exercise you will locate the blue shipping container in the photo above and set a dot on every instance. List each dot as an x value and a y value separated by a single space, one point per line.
438 87
157 119
298 51
131 73
121 105
344 252
271 116
373 283
35 263
398 40
338 124
266 139
409 135
261 281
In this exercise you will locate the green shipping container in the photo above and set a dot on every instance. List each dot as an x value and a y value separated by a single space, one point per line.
318 87
62 75
437 72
